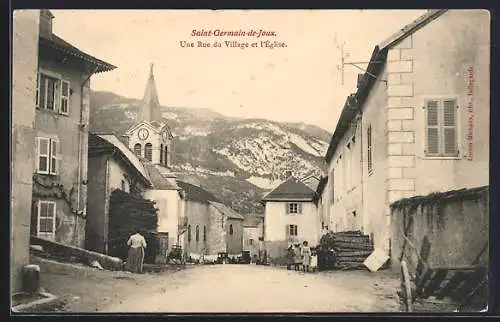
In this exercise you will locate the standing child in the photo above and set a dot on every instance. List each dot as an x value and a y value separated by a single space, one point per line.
297 257
314 259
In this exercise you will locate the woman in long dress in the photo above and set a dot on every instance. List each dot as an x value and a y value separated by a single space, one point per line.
136 252
305 251
297 258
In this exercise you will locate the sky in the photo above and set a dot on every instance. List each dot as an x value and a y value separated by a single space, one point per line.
297 83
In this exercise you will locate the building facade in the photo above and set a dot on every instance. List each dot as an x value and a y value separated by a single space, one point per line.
290 217
253 232
59 194
24 72
418 122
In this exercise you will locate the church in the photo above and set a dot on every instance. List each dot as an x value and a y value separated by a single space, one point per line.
145 166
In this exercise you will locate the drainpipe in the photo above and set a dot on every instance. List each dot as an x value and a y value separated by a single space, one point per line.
362 167
81 126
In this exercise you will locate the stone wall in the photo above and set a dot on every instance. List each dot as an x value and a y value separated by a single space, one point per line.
455 222
216 238
24 66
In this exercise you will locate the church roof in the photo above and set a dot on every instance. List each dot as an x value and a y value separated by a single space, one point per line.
157 180
225 210
290 190
195 193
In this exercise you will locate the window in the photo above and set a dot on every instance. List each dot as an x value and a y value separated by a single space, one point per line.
293 208
53 93
231 229
441 128
197 233
148 152
204 233
161 153
370 149
250 242
292 230
47 155
138 149
46 219
189 233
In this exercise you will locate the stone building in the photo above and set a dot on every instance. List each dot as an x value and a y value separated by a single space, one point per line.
24 72
59 194
418 122
290 217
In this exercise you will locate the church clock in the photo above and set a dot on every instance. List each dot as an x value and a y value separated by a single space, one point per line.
143 134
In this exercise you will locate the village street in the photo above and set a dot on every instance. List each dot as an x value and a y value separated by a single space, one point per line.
251 288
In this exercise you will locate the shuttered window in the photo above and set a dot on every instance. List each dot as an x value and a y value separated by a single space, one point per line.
291 230
161 153
53 93
47 155
332 187
293 208
441 128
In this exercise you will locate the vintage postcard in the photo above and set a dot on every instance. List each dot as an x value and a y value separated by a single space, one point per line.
249 161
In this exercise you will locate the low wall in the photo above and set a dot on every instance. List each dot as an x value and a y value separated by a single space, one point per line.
455 222
276 252
83 255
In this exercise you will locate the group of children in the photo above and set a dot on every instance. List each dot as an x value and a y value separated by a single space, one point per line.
305 256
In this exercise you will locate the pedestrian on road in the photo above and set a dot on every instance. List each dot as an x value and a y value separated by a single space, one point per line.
314 259
136 252
306 256
290 257
297 257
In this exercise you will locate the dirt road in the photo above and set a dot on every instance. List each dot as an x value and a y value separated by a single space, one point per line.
251 288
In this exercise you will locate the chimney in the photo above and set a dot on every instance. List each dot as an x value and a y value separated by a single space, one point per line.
46 23
360 79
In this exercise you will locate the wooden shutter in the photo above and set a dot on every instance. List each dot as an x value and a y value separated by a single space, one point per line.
287 231
287 208
432 128
42 156
54 156
299 207
64 94
450 127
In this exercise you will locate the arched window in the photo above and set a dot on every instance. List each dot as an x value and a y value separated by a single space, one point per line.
165 155
138 149
161 153
189 233
231 229
197 233
204 233
148 152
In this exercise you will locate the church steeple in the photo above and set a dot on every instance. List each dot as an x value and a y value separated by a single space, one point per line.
150 108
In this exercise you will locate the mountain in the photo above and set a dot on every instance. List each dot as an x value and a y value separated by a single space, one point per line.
238 160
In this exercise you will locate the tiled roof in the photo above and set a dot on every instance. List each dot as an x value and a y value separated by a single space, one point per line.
157 180
63 46
109 142
252 220
228 211
311 181
355 101
195 193
291 189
